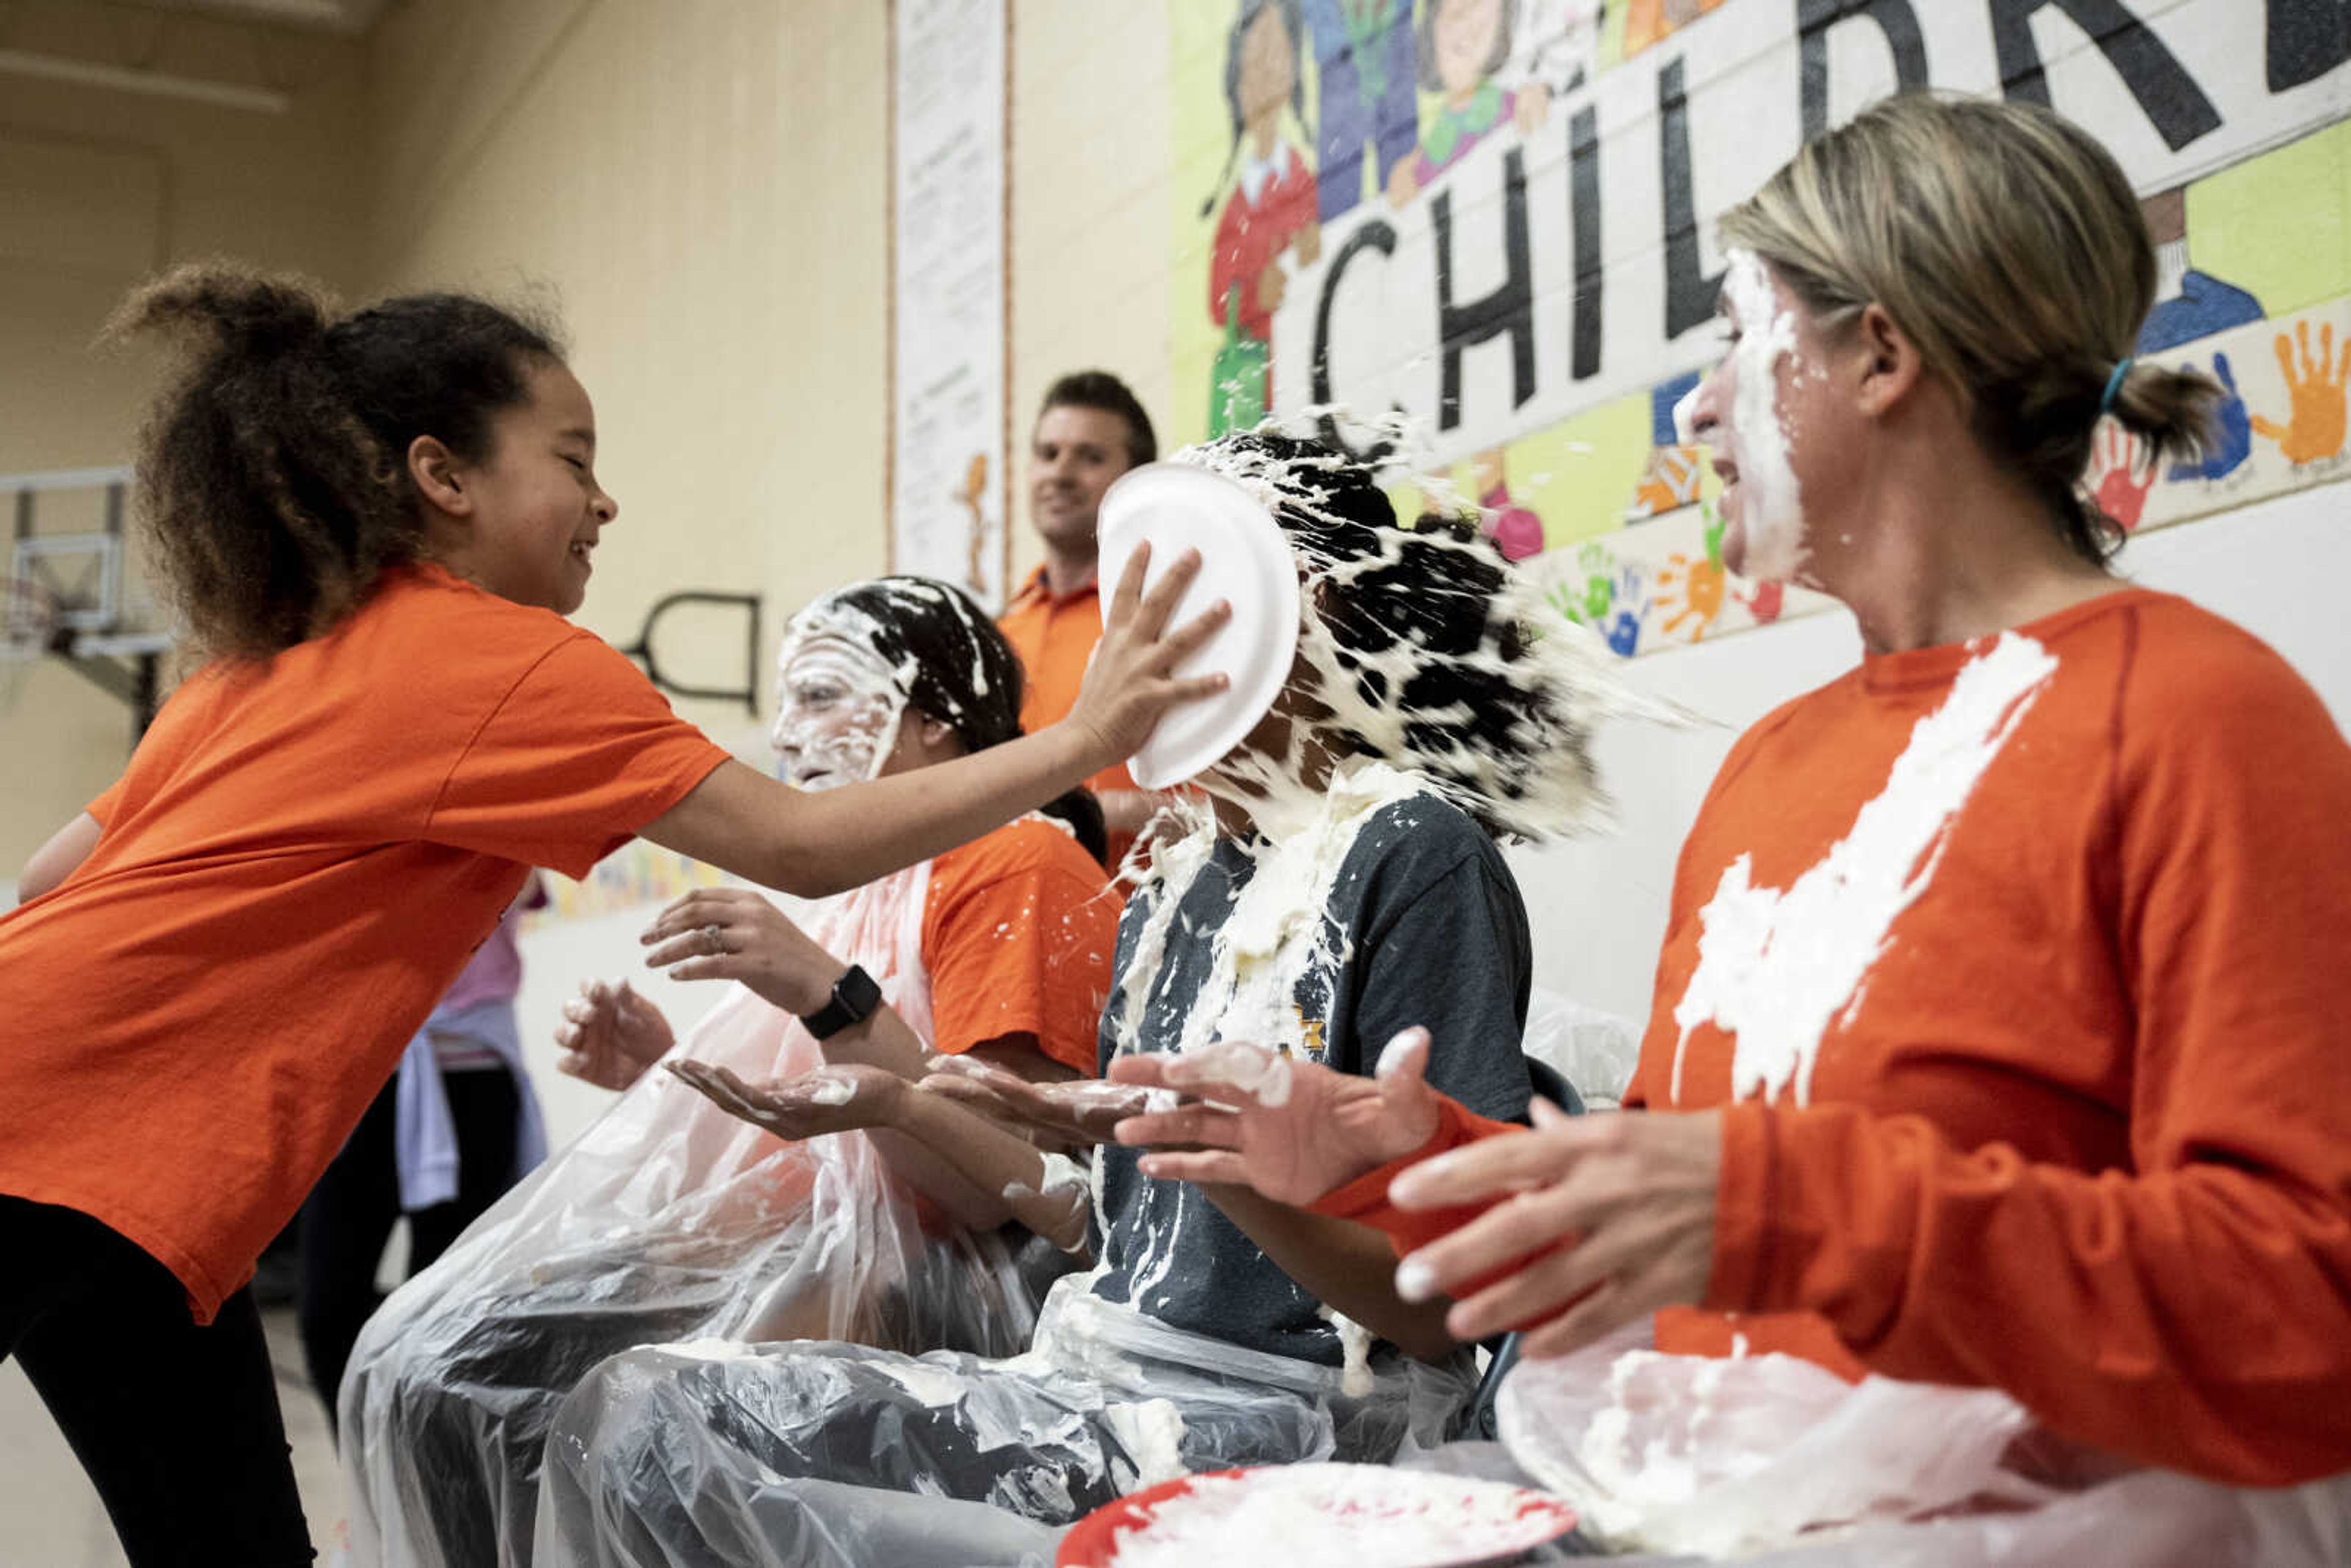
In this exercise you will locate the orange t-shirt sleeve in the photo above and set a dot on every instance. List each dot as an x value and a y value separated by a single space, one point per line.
578 757
109 801
2190 1310
1018 930
1364 1200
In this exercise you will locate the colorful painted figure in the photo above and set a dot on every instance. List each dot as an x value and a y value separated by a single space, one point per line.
1516 530
1271 210
1647 21
1461 44
1632 613
1764 601
1610 598
1363 93
1670 482
2189 304
1556 42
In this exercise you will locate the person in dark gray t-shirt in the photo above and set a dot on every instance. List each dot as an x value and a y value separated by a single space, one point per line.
1431 926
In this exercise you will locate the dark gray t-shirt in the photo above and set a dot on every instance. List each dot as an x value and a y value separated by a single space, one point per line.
1434 933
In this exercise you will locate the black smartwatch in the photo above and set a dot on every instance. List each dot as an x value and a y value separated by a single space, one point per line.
854 998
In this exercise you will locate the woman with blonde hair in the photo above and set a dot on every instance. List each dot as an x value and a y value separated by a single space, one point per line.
1996 1038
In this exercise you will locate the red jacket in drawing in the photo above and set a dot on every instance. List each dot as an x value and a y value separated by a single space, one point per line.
1270 202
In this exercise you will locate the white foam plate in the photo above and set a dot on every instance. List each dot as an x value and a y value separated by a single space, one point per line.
1243 559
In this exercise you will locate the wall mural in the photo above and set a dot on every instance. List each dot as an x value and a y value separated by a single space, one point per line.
1496 217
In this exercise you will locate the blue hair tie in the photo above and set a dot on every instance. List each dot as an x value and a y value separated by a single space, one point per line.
2114 384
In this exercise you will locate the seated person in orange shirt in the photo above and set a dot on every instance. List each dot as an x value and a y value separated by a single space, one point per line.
1090 430
1997 1037
669 1220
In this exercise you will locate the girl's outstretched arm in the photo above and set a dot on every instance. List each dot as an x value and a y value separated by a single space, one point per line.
814 845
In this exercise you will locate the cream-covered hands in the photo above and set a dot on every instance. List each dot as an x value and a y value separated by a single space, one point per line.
1599 1220
835 1099
1074 1112
1043 1191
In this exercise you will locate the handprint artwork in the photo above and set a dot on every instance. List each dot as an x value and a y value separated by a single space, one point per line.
2120 489
1624 628
1702 585
2314 428
2232 433
1764 601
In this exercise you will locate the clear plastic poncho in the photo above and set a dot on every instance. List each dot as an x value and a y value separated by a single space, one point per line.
668 1220
1770 1460
827 1456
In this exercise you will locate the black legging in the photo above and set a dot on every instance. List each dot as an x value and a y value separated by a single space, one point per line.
177 1426
350 1212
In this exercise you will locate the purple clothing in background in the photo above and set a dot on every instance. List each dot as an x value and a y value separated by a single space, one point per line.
494 972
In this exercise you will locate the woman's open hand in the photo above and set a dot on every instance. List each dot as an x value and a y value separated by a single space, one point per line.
1075 1111
1293 1129
1601 1219
829 1099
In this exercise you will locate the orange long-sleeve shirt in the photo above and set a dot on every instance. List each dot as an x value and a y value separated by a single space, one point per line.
2083 1129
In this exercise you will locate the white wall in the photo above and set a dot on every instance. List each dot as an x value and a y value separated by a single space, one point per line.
1599 904
558 957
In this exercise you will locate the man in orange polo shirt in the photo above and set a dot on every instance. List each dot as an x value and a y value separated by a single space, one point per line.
1090 430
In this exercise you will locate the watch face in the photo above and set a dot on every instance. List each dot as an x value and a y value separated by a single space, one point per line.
858 992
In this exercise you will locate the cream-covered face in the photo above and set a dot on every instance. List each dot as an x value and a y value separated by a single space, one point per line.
839 714
1749 414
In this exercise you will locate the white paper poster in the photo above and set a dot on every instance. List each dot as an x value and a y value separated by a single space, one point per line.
948 489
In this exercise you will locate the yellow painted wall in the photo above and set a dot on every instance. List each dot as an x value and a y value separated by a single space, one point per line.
700 187
704 185
98 189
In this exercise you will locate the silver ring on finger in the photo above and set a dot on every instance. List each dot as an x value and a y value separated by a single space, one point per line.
714 937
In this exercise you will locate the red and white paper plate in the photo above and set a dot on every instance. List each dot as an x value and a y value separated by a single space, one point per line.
1317 1516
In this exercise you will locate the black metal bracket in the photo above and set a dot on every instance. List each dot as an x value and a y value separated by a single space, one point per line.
642 651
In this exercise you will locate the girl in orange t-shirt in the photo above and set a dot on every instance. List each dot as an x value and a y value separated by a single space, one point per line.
1998 1037
670 1221
373 525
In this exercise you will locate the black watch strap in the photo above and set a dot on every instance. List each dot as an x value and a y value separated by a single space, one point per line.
854 996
